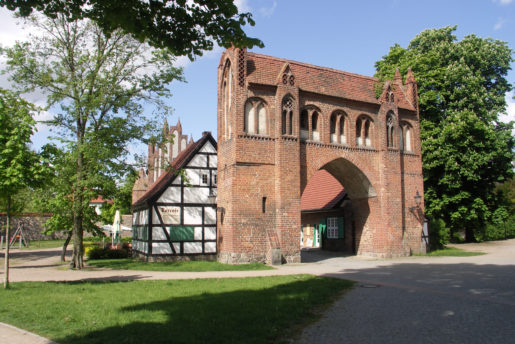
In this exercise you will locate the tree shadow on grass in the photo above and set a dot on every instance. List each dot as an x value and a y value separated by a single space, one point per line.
239 316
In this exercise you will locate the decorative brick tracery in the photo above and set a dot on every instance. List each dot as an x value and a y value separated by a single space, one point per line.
318 118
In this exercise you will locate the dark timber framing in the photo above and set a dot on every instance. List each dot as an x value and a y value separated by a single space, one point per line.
181 235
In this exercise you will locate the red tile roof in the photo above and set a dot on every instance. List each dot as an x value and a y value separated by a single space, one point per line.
178 163
266 70
100 199
322 192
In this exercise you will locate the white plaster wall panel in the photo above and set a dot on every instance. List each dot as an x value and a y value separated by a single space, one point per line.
161 248
143 219
208 148
209 215
210 247
177 247
177 180
213 161
192 215
193 176
196 195
135 218
210 233
197 234
155 219
158 233
192 247
199 160
172 194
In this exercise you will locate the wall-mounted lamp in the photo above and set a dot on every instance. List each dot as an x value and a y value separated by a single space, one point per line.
212 197
418 201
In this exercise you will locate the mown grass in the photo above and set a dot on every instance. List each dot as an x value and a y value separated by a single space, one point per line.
452 252
39 244
197 266
233 310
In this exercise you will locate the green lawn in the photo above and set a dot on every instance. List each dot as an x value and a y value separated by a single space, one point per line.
134 264
38 244
232 310
453 252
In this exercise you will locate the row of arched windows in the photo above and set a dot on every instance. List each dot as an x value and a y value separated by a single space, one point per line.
256 122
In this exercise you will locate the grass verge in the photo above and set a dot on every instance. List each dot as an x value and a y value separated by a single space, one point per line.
232 310
39 244
452 252
197 266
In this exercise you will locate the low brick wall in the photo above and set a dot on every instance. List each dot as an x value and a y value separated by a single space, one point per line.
32 225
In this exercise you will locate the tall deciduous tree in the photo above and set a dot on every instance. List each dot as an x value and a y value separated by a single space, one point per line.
465 148
19 166
184 27
98 86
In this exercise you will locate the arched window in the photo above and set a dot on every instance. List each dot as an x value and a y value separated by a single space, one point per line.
255 121
315 133
338 128
334 135
226 99
250 118
342 127
407 141
287 116
389 130
405 132
363 132
304 126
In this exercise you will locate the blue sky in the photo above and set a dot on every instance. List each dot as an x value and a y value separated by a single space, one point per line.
345 35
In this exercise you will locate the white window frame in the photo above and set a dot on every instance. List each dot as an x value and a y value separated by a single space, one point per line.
202 175
332 228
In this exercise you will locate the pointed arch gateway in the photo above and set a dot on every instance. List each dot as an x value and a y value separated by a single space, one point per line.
315 121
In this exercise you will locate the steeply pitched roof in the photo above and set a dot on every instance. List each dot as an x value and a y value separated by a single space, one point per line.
263 69
155 190
323 192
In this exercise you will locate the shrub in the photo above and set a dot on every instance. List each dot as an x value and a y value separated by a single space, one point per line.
107 253
439 234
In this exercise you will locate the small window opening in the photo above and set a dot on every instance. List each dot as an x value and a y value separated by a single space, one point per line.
263 205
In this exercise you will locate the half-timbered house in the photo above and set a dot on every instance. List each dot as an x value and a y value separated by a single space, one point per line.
176 217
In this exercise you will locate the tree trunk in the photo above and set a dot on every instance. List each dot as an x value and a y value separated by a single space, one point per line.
469 235
6 260
65 245
78 213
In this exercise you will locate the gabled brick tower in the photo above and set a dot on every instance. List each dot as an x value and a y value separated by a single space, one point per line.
281 121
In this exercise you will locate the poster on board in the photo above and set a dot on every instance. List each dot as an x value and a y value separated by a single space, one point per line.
170 215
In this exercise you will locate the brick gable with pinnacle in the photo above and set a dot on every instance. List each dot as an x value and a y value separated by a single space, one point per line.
280 121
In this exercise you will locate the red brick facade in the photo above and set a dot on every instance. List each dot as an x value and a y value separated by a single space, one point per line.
280 121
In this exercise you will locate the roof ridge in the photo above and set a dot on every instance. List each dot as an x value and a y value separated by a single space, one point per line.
366 77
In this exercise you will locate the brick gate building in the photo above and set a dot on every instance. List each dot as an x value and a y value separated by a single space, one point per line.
281 121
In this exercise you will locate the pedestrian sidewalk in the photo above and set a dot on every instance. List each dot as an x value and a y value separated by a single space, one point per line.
13 335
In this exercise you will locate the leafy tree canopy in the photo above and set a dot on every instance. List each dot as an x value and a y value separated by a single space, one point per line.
185 27
102 90
465 148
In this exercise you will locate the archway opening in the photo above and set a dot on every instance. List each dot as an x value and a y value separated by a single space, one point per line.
335 207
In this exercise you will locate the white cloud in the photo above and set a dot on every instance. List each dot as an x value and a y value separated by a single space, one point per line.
502 2
268 11
243 5
510 110
499 24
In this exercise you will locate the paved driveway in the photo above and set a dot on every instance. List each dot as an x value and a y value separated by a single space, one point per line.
426 300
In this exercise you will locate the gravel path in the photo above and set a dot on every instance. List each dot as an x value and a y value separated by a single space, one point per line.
404 300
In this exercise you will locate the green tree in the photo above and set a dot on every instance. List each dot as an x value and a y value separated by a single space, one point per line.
98 87
465 148
184 27
19 166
